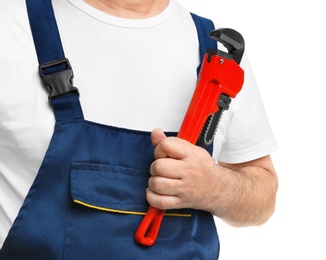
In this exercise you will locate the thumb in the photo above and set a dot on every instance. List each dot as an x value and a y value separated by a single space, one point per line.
157 136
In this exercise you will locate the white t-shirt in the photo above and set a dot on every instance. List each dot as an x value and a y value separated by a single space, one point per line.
137 74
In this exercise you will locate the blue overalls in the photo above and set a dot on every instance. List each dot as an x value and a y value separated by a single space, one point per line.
89 195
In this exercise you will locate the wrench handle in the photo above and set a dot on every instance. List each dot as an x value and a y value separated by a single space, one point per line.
148 229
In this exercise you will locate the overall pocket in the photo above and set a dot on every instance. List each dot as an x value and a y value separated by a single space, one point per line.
108 204
109 188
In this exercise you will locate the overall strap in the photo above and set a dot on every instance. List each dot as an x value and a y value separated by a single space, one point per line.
204 26
55 70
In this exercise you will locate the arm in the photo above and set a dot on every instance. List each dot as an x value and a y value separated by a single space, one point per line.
250 192
185 176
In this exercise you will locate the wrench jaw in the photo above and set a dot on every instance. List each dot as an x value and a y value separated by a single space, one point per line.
232 41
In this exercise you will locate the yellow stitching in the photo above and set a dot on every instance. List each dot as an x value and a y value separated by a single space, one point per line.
128 212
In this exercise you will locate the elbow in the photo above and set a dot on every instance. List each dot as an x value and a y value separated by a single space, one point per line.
259 212
266 214
268 205
258 218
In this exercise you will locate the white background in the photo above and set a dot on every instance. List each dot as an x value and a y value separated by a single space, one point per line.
286 45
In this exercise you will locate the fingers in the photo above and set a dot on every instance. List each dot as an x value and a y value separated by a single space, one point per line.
171 147
173 178
163 201
167 168
169 186
157 136
164 185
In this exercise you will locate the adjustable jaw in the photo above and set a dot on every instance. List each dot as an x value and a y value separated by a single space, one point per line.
232 41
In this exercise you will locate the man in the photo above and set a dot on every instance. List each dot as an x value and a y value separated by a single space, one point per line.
134 64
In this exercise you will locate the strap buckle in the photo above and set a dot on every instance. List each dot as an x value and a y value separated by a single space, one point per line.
57 76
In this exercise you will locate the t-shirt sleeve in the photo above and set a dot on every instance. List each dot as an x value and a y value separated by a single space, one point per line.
247 134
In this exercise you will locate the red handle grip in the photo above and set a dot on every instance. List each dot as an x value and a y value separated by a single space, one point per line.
216 77
148 229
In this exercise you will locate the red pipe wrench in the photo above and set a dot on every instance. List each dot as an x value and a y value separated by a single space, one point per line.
220 79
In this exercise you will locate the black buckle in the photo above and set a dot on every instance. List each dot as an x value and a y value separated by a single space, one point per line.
59 83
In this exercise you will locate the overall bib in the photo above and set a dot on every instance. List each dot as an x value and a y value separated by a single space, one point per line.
89 195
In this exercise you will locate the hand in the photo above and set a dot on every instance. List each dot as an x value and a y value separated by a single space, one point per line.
185 176
182 175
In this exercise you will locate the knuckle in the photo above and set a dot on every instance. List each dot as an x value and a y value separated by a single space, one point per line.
155 183
163 203
156 167
167 144
156 200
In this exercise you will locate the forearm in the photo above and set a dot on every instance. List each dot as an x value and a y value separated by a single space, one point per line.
246 193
